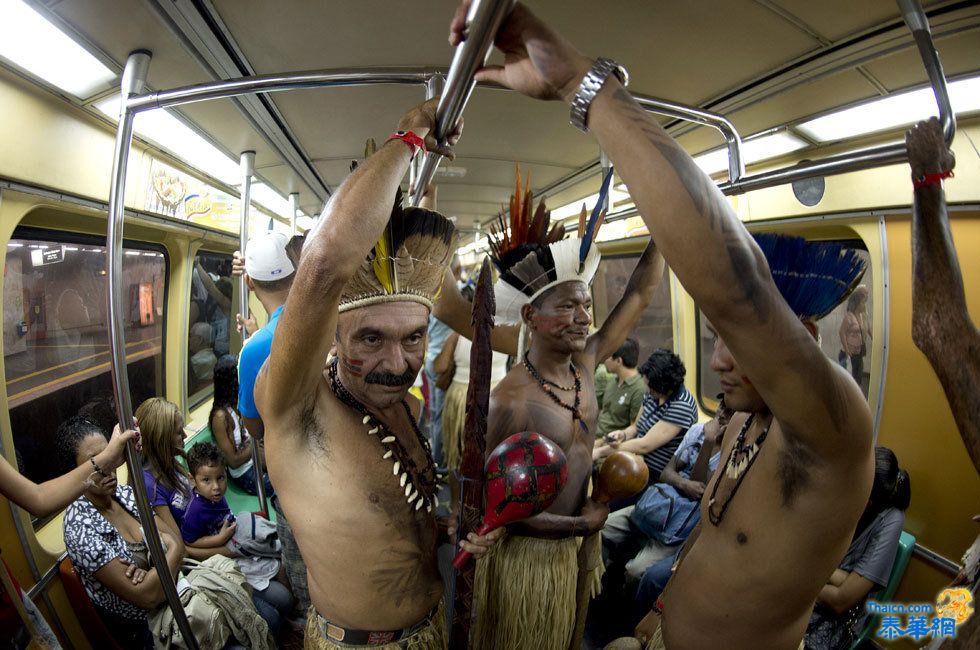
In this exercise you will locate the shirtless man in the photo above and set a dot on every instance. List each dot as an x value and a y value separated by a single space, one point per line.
941 323
525 592
751 580
353 474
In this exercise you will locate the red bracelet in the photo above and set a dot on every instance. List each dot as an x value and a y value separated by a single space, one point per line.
931 179
413 141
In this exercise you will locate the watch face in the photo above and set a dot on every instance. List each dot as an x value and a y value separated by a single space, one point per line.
809 191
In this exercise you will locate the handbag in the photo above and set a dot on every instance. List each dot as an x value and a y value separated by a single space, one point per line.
665 515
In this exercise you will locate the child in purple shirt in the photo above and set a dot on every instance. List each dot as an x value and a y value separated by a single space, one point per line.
208 521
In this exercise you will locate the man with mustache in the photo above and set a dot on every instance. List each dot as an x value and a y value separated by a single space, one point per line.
797 463
353 472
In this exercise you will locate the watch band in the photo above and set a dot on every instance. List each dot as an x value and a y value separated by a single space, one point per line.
591 84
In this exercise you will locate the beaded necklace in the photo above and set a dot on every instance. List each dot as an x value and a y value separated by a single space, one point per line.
420 484
546 386
739 461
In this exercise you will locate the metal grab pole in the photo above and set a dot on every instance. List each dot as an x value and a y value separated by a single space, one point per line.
918 24
247 163
293 207
134 76
736 165
482 22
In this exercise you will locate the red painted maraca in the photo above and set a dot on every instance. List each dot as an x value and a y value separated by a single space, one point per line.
524 476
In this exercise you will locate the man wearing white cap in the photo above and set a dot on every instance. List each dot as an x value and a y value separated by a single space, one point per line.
269 273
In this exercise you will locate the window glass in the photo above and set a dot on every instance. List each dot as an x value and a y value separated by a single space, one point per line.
56 342
208 322
844 336
655 328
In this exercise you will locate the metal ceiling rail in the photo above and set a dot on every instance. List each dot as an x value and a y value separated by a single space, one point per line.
482 22
879 156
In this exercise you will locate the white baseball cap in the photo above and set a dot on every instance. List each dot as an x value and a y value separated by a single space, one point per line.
266 258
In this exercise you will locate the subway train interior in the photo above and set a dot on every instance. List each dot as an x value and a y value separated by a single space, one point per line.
758 91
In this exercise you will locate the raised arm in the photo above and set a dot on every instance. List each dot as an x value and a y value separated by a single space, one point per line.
51 496
941 325
640 289
457 312
350 226
701 239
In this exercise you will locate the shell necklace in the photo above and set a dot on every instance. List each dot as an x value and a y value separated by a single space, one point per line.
740 460
420 484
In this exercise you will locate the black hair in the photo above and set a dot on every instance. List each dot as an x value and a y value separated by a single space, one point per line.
225 382
204 454
664 372
891 487
70 435
274 286
294 249
628 353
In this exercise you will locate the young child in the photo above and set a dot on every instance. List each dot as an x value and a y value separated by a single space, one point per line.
209 522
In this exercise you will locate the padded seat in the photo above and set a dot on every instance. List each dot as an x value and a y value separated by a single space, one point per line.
906 544
88 617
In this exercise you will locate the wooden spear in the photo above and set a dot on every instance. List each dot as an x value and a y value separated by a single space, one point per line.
474 450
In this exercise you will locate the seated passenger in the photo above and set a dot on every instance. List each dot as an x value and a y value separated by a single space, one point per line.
104 540
839 614
621 395
667 511
229 430
210 524
668 410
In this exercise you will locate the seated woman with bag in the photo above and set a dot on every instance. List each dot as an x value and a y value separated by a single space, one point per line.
105 543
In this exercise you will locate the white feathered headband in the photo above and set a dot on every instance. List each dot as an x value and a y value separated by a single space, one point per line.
533 257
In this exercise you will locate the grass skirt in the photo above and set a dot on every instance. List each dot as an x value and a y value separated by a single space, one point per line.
435 636
524 594
453 420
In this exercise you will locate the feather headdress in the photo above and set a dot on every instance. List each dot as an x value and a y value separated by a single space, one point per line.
408 262
533 256
812 277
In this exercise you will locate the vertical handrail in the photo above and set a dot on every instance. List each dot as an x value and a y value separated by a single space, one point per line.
247 164
482 22
918 24
133 79
293 207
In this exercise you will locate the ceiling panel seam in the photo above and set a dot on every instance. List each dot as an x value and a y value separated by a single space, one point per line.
217 54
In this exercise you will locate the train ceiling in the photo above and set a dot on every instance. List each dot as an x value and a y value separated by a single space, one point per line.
762 63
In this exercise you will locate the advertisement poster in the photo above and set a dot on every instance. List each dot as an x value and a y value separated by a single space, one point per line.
175 194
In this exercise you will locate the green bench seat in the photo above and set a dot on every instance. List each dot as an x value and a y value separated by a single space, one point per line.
906 544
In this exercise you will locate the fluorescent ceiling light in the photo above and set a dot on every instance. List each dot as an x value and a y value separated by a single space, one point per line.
754 149
891 112
32 43
170 133
271 199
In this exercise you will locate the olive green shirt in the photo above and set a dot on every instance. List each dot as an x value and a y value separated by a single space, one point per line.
619 403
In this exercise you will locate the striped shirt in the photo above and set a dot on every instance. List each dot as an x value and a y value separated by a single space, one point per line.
679 410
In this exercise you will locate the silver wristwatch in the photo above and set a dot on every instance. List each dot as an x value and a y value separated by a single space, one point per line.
591 84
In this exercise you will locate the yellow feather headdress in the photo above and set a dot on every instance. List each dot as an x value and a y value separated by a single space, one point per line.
408 262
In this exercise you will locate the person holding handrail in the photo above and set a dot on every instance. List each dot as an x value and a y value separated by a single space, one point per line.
798 460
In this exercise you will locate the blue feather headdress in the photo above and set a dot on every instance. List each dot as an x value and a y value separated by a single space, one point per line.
813 277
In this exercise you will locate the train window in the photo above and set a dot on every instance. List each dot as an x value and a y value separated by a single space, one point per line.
655 329
55 337
209 322
844 336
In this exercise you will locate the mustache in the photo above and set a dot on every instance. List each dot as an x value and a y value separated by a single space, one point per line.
390 379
